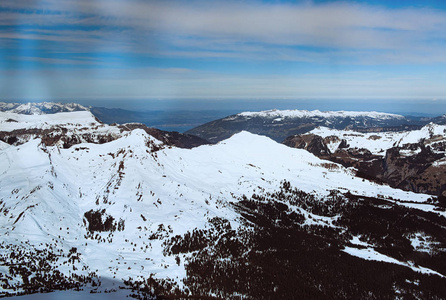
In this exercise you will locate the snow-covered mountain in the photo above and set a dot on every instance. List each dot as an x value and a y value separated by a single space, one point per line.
279 124
431 135
67 129
40 108
279 114
413 160
247 217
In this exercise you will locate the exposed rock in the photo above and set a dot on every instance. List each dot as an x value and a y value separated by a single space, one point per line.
99 221
55 135
313 143
169 138
58 135
414 172
409 167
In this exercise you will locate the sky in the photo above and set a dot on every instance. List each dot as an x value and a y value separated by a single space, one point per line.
216 50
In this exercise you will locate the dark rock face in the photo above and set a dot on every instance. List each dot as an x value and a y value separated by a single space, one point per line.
416 173
343 144
99 221
52 136
312 143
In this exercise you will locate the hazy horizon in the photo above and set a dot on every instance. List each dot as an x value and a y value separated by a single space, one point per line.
403 107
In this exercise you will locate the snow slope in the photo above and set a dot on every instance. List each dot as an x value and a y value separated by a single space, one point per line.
10 121
247 158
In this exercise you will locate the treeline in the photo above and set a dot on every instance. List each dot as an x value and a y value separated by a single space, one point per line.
276 255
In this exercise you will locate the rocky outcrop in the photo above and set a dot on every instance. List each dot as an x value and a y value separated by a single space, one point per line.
312 143
55 135
411 167
58 135
417 172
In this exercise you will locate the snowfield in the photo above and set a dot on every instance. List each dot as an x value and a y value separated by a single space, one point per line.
371 254
10 121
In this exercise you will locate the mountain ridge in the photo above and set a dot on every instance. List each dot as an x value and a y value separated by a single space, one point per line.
78 126
279 124
39 108
317 113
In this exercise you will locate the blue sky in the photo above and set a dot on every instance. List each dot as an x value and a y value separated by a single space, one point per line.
110 49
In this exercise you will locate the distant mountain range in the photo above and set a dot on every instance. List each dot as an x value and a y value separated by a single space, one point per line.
168 120
210 125
280 124
439 120
123 210
49 121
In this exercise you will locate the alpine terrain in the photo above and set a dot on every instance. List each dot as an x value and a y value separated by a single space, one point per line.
131 211
410 160
279 124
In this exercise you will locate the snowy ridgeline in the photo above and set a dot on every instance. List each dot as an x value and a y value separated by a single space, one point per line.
40 108
281 124
10 121
378 142
111 215
320 114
